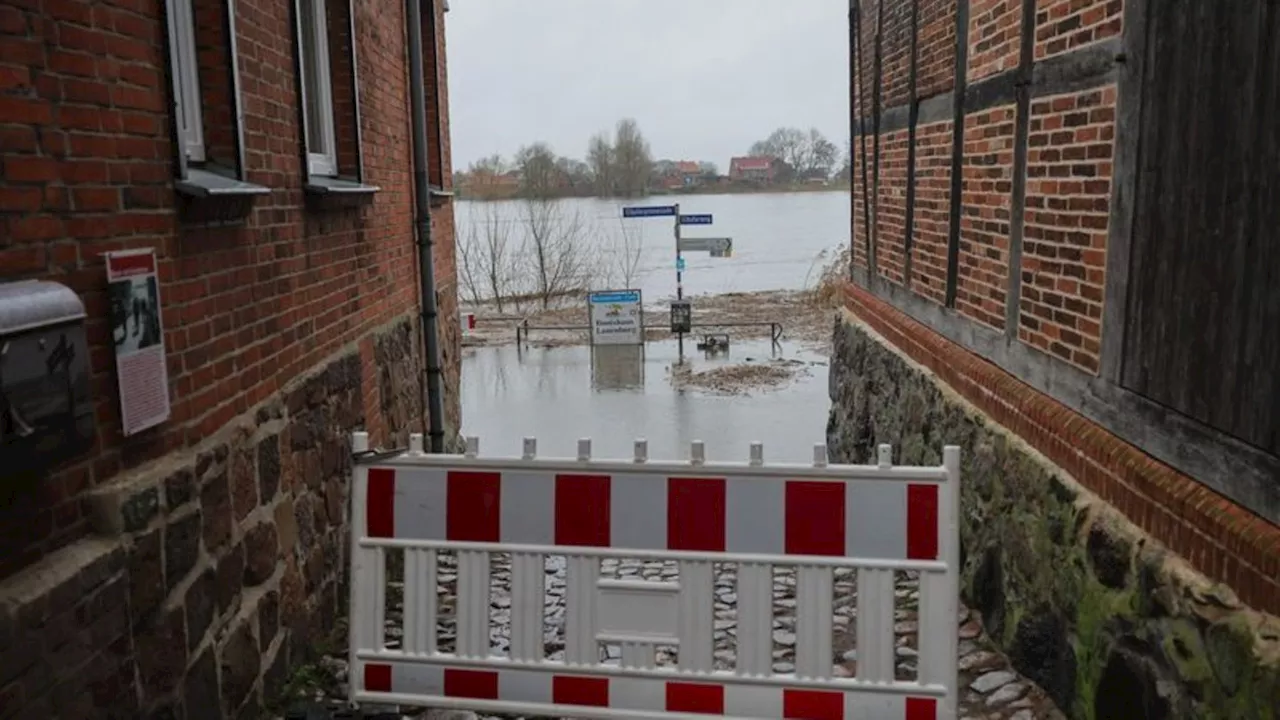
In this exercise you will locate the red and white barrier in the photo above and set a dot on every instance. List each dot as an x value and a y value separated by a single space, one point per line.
877 519
467 321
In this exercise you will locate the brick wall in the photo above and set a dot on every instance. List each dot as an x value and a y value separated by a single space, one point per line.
895 70
1070 148
936 47
994 37
1064 25
932 220
1058 269
175 562
862 200
891 222
986 202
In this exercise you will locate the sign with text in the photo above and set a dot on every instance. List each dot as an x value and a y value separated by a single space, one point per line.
696 219
133 285
722 245
616 317
644 211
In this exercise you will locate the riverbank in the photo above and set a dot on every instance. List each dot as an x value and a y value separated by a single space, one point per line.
805 317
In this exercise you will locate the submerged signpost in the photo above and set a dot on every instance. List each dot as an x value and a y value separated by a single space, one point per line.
681 312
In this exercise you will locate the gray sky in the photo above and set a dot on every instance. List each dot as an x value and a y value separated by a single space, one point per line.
703 78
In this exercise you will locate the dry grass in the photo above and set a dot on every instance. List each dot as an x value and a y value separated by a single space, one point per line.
739 379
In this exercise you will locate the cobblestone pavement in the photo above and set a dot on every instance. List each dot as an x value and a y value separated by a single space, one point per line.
991 690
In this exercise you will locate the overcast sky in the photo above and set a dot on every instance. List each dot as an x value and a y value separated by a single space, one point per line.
703 78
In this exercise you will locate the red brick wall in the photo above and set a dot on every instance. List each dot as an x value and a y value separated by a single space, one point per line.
85 137
1064 25
932 221
1068 207
935 47
895 72
863 199
994 37
892 206
986 199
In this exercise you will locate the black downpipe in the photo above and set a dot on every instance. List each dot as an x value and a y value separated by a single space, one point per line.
422 221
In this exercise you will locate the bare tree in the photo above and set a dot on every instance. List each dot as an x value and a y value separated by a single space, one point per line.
556 248
822 155
539 175
624 256
633 161
488 263
600 158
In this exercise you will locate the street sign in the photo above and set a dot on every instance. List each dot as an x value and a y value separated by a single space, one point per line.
680 264
617 317
695 219
644 211
721 245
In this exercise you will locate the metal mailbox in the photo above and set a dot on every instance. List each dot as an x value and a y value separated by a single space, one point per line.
46 413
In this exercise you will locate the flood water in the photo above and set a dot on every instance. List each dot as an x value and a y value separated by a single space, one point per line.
778 238
561 394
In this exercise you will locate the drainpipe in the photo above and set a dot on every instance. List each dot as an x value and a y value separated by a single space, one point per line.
422 221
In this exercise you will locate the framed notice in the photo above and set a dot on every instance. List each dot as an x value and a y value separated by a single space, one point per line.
133 285
616 317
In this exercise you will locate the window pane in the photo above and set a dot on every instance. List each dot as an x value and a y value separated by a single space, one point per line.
312 75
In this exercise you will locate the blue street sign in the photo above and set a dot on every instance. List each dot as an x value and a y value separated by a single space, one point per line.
695 219
644 211
680 264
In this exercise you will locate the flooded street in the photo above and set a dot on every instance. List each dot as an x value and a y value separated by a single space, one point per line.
616 395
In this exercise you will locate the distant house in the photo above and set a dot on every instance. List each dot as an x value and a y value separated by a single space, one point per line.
681 174
760 169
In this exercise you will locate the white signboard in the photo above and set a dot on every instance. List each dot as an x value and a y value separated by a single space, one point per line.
133 282
616 317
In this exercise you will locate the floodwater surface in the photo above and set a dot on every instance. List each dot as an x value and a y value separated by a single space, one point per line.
615 395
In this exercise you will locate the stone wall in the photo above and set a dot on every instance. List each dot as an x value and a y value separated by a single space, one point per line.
215 572
1106 620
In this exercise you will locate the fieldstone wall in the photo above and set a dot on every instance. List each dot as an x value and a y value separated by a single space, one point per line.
1103 618
214 573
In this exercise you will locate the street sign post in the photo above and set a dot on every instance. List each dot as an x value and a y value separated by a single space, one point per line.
645 211
711 245
717 247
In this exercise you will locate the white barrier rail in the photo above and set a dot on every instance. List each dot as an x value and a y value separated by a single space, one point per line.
507 585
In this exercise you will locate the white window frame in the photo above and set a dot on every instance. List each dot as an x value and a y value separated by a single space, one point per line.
322 151
182 38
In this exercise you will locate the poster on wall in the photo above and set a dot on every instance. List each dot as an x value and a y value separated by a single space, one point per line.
134 287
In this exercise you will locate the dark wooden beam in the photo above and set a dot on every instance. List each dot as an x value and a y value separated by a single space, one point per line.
957 147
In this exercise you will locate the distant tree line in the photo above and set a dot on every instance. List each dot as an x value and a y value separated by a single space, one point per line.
621 164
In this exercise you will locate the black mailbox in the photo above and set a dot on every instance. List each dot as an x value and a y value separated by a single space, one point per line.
46 413
681 316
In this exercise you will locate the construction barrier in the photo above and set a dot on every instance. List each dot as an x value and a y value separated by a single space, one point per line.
874 521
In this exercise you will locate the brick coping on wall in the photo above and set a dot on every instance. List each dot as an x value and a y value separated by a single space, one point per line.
1217 537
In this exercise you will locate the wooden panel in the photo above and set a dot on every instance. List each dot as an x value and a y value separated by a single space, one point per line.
1204 292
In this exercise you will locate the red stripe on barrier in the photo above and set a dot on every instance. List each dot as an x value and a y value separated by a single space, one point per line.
815 518
695 698
582 510
922 522
380 503
812 705
695 514
571 690
922 709
377 677
474 507
474 684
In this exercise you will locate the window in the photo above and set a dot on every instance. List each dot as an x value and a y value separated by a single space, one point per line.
317 88
186 79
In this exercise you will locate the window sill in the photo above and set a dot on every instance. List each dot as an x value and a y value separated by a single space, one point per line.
439 196
326 186
204 184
